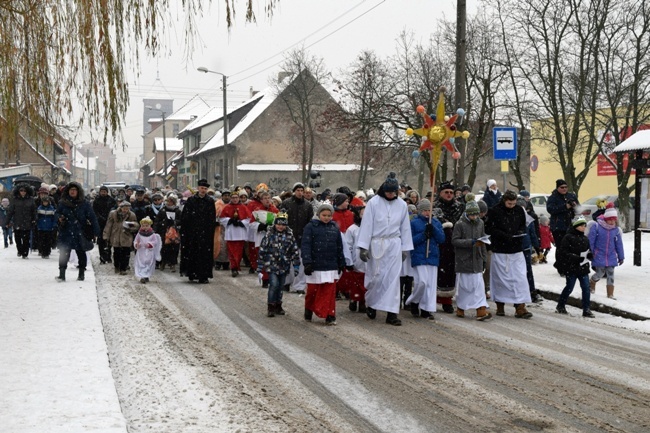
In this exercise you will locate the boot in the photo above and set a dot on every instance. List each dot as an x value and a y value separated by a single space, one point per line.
501 309
278 309
362 306
61 277
415 309
561 309
270 310
592 286
610 292
482 314
521 312
353 306
308 314
81 274
392 319
461 313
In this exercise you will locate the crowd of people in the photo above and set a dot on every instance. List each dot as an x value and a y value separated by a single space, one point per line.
383 250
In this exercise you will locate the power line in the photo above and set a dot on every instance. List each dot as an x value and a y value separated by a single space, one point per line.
314 43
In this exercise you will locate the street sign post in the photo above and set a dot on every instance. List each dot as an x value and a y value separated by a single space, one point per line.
504 143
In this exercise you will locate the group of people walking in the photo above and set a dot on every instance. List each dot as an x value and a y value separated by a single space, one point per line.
383 251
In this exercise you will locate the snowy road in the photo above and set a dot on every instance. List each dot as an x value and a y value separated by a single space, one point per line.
199 358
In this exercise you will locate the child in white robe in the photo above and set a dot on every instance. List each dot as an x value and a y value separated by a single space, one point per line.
148 245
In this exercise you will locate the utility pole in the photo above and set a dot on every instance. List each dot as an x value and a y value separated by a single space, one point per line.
460 91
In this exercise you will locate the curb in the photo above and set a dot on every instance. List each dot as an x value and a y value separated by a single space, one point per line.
595 306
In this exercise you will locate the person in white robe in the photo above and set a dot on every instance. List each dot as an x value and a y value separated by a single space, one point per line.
384 242
148 245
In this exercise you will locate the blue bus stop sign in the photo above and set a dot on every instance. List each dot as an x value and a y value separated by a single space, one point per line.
504 143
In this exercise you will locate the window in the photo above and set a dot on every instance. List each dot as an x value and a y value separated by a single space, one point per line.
176 128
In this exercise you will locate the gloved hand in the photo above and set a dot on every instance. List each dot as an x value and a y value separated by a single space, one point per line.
363 254
620 262
232 221
590 256
428 231
296 271
261 228
404 255
349 268
447 225
309 269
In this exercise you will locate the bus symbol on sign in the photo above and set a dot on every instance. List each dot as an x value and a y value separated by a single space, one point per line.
505 143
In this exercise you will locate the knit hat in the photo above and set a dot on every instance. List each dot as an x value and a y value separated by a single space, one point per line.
157 196
423 205
483 207
391 183
579 220
445 185
339 199
103 188
282 218
146 220
543 218
466 188
560 182
43 190
472 208
524 193
297 185
323 207
173 198
491 182
610 213
125 203
412 209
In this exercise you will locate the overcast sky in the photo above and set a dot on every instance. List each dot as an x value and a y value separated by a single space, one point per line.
250 54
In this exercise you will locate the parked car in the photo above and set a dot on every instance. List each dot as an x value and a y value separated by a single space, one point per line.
539 203
588 207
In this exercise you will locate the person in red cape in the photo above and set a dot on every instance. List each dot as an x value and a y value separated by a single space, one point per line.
235 217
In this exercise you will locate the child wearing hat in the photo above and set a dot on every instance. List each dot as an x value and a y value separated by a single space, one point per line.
46 222
427 233
545 237
471 259
322 257
277 254
573 258
6 231
606 243
147 244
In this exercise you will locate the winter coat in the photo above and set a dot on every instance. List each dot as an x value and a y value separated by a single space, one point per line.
46 219
21 214
470 258
419 252
74 215
491 198
139 208
322 246
167 217
116 233
278 252
3 216
530 239
561 216
452 210
545 237
102 206
343 218
506 226
152 212
572 256
300 212
606 243
198 221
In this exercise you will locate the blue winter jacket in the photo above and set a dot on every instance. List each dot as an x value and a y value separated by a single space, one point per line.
74 214
606 244
419 253
530 239
322 246
45 218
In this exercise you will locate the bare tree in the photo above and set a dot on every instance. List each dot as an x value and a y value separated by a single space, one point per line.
306 99
56 55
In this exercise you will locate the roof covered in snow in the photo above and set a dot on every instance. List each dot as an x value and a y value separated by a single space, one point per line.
640 140
172 144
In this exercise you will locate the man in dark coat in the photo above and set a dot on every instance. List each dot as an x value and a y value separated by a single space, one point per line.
102 206
561 205
300 212
74 213
198 221
21 216
452 210
139 205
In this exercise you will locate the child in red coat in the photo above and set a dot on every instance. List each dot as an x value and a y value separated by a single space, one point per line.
545 237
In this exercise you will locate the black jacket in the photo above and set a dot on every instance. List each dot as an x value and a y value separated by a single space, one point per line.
561 216
573 253
102 206
506 228
22 210
300 212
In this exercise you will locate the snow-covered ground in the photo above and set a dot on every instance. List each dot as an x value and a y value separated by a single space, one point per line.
55 370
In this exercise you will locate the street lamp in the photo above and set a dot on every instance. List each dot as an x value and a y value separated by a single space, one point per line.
225 121
164 137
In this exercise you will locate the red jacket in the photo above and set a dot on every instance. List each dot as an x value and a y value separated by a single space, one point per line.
229 211
344 218
545 237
